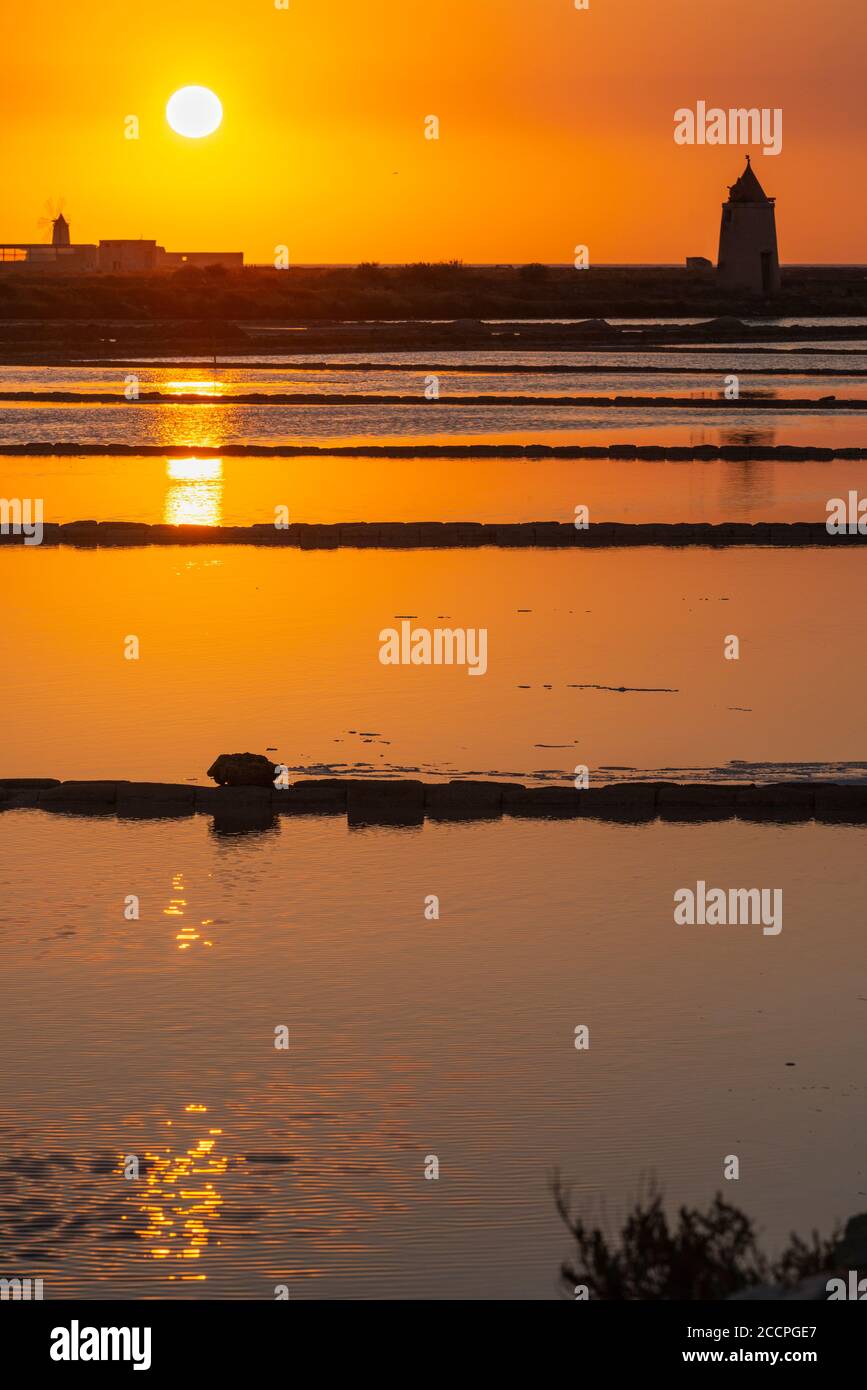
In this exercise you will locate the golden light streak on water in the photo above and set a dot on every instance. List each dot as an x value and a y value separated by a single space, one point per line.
195 497
182 1199
195 388
188 934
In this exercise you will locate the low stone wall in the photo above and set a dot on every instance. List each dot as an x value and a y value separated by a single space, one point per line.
439 535
651 453
409 802
798 404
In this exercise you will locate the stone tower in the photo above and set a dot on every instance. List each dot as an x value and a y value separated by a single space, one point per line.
748 257
59 231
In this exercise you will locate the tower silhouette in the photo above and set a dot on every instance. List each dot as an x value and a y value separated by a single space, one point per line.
748 258
59 230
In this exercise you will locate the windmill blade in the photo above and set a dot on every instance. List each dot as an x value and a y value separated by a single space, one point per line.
54 208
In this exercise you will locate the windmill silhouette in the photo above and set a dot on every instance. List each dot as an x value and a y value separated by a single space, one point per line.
56 222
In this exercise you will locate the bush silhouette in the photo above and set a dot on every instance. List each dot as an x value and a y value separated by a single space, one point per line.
703 1255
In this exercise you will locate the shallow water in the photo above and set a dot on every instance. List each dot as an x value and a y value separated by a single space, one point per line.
249 648
807 356
446 420
154 1037
431 423
409 1038
220 382
241 491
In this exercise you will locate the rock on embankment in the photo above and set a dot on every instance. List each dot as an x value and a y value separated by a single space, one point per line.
243 770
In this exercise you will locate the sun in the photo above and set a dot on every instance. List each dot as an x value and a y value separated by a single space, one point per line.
194 112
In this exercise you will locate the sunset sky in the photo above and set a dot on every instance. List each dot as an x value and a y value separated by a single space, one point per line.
556 125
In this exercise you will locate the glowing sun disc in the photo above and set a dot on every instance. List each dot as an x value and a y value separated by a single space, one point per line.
194 112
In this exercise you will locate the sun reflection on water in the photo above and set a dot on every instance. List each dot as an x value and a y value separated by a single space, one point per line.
189 933
177 1217
195 388
195 496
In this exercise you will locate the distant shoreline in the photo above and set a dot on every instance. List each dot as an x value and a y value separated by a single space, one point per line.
65 343
47 317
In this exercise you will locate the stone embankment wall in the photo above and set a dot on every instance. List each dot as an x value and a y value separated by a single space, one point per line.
410 802
406 535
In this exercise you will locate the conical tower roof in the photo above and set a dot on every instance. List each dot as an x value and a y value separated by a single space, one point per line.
747 189
60 230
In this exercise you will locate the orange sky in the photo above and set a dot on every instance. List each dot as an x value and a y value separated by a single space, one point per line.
556 125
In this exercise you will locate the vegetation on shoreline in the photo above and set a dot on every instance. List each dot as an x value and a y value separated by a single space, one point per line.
448 290
702 1255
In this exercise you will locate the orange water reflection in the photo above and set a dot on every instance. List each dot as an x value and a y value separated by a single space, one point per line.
265 648
189 933
182 1201
241 491
195 388
195 496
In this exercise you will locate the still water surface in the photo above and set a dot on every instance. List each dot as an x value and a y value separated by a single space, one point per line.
229 381
409 1038
241 491
432 423
250 648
